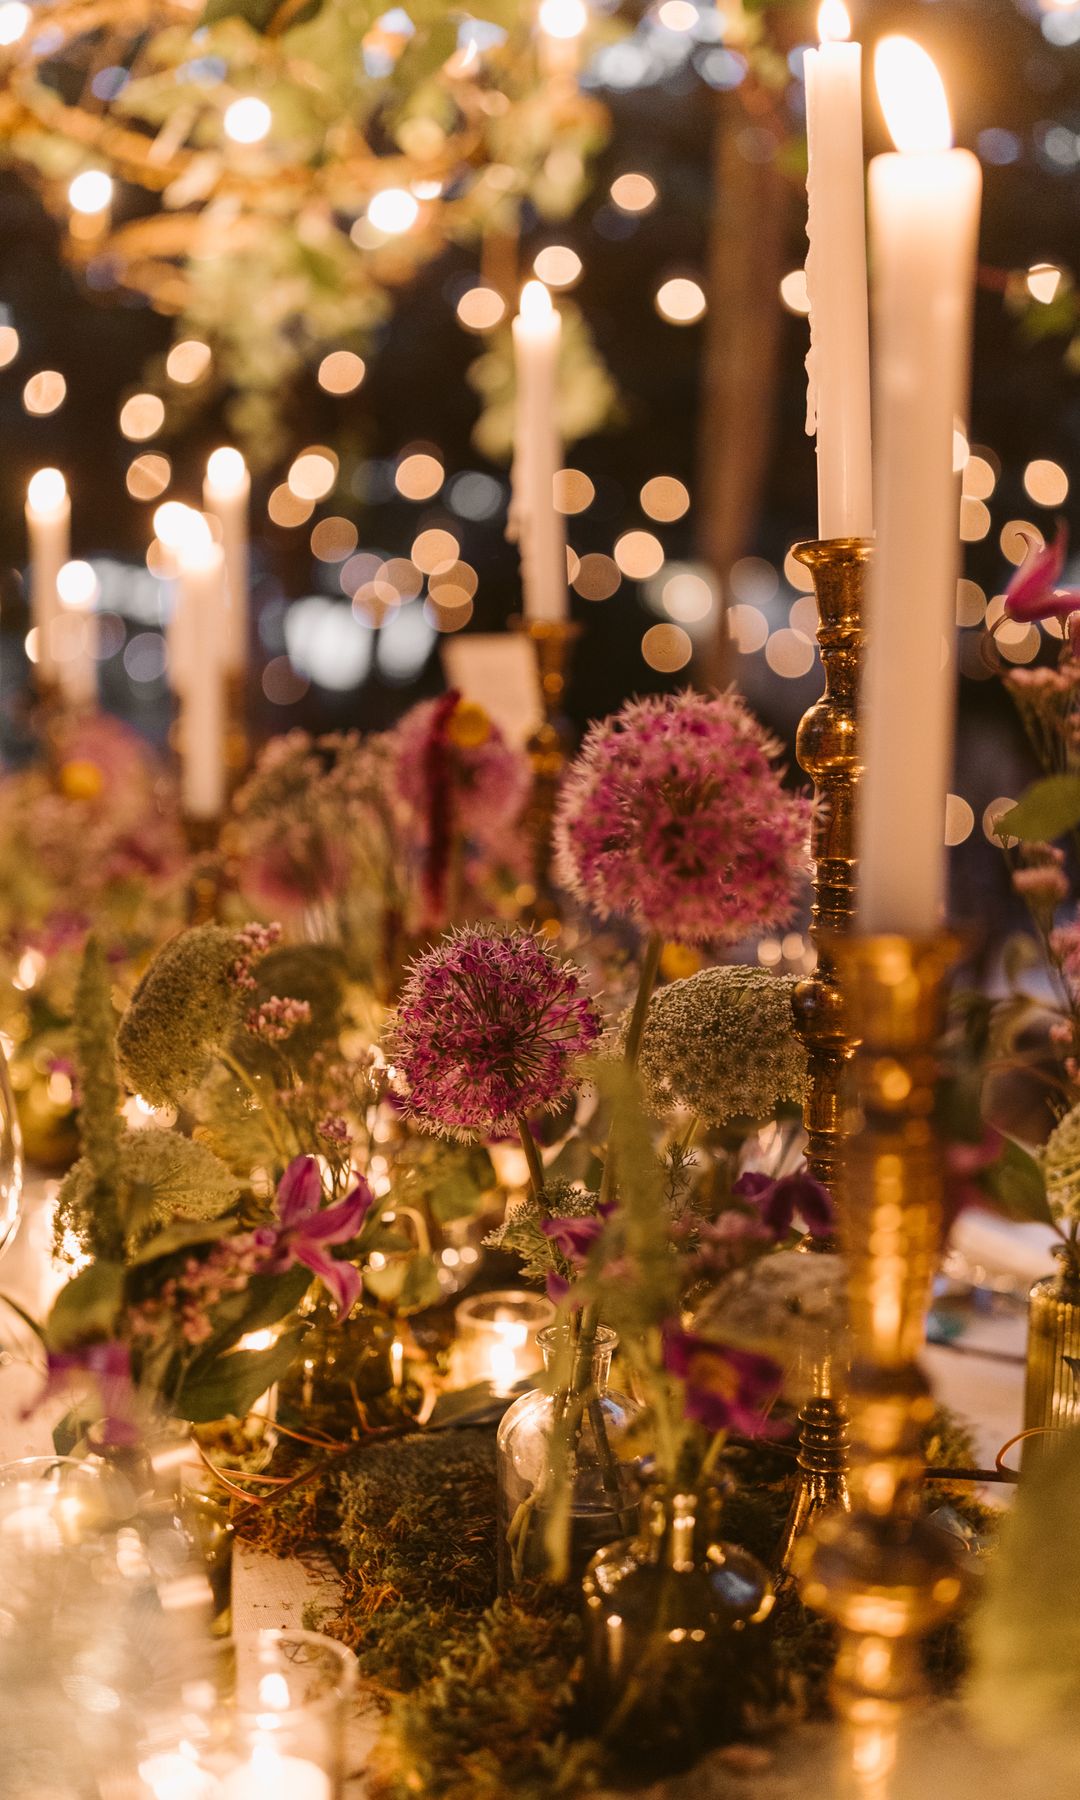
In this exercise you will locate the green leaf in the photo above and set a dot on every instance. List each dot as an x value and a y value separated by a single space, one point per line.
222 1387
266 1300
1048 810
1016 1186
87 1307
182 1236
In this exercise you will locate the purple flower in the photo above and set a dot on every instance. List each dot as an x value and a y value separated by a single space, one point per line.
674 815
104 1367
780 1202
1033 592
574 1238
306 1228
725 1389
487 1030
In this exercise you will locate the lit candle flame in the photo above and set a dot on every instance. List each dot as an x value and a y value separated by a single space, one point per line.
912 96
181 528
46 490
226 470
535 302
563 19
833 22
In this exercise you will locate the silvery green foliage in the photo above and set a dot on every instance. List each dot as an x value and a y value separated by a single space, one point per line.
1060 1159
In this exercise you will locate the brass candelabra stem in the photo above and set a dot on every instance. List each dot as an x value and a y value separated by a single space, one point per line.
548 747
827 750
883 1573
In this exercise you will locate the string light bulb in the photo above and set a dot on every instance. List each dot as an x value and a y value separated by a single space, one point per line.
247 121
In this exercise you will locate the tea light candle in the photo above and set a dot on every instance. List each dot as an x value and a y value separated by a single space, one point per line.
269 1775
226 497
48 528
496 1338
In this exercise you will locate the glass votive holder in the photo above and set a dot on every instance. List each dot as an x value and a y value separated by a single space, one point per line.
264 1720
53 1503
496 1338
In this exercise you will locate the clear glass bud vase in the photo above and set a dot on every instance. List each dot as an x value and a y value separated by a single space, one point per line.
1052 1377
343 1367
677 1646
603 1488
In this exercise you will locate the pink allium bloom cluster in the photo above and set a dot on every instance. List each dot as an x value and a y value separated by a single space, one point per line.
674 815
487 1029
1042 880
448 754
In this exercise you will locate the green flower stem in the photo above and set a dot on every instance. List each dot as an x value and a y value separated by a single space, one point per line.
238 1070
650 966
532 1157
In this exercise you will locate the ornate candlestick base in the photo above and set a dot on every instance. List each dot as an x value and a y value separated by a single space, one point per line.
827 750
205 878
549 748
883 1573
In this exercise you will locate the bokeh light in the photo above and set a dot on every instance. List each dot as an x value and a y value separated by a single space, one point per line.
1043 282
90 192
287 509
557 265
14 19
639 554
572 491
970 602
141 417
188 361
148 477
633 193
419 476
393 211
664 498
9 345
313 473
789 654
1046 483
247 121
748 626
433 547
332 540
1015 539
974 520
667 648
44 393
481 309
680 301
341 372
793 293
597 577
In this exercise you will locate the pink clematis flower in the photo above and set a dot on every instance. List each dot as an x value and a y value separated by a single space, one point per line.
779 1202
307 1229
1033 592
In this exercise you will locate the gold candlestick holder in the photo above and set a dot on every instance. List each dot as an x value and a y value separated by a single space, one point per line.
549 748
883 1573
827 750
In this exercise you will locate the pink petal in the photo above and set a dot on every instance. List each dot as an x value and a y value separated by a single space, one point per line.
337 1224
340 1279
299 1190
1030 594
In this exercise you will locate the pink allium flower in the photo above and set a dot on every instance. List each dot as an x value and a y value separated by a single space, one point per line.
487 1029
674 815
456 772
1033 591
1065 946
